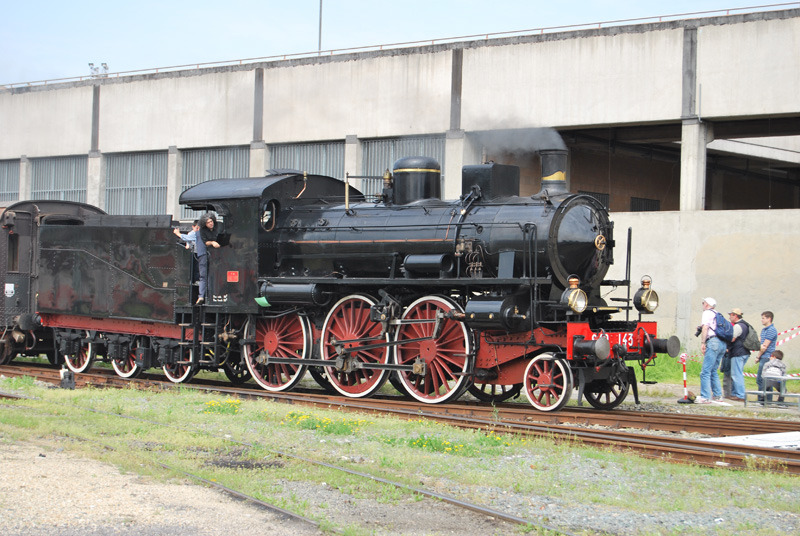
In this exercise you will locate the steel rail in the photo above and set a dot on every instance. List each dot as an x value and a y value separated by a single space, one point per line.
620 418
679 449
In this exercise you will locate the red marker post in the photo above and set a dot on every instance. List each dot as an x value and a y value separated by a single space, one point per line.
685 399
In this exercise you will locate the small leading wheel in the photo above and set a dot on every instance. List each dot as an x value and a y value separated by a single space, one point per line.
447 355
282 336
83 358
490 392
348 320
126 367
183 371
548 383
607 394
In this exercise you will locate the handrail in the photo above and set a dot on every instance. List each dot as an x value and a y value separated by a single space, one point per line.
404 44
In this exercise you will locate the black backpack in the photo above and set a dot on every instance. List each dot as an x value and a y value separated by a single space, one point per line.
751 342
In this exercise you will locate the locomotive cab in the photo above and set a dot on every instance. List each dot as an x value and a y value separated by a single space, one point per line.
255 212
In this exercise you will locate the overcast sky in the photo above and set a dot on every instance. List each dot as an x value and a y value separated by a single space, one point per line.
42 40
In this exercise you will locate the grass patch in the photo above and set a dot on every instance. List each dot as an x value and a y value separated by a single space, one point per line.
326 425
126 427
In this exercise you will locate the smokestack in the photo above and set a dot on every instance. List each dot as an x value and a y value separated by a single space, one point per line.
554 172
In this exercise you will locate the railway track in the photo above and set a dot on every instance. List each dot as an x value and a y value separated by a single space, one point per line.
632 430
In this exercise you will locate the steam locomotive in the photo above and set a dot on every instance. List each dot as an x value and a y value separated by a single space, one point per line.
493 293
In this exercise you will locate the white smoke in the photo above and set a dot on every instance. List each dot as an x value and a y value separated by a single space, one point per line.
519 141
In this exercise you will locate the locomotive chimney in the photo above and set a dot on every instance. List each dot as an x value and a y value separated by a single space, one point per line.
554 172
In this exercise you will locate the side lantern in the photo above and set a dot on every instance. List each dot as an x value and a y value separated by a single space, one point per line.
573 297
646 299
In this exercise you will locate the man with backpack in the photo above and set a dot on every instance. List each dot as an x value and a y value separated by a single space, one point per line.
713 348
738 354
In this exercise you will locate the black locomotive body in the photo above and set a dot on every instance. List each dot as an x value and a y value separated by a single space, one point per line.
494 293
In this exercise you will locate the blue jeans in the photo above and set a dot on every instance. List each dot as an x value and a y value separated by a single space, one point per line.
202 261
737 375
709 377
759 378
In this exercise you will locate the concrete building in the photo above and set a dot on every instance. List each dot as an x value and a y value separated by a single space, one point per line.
687 130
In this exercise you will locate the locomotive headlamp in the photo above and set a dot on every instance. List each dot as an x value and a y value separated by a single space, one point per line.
646 299
574 297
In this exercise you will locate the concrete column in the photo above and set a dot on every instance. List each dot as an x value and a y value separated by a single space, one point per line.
353 159
96 180
259 154
174 181
717 191
458 152
695 135
24 178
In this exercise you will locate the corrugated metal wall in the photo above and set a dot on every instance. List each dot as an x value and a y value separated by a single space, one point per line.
380 155
136 183
325 158
200 165
9 181
62 178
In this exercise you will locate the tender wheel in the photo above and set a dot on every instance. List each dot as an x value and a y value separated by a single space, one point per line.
348 320
548 383
181 372
490 392
127 367
447 356
83 359
283 336
604 395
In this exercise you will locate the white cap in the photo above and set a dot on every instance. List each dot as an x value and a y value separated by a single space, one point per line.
711 302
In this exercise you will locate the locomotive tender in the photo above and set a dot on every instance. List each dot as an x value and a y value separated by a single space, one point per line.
494 293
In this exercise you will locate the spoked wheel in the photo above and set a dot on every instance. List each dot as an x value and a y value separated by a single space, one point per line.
7 351
181 372
548 383
447 355
283 336
607 394
348 320
490 392
83 358
127 367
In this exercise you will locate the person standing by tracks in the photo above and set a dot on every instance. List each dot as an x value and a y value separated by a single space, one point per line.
713 349
769 337
738 355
